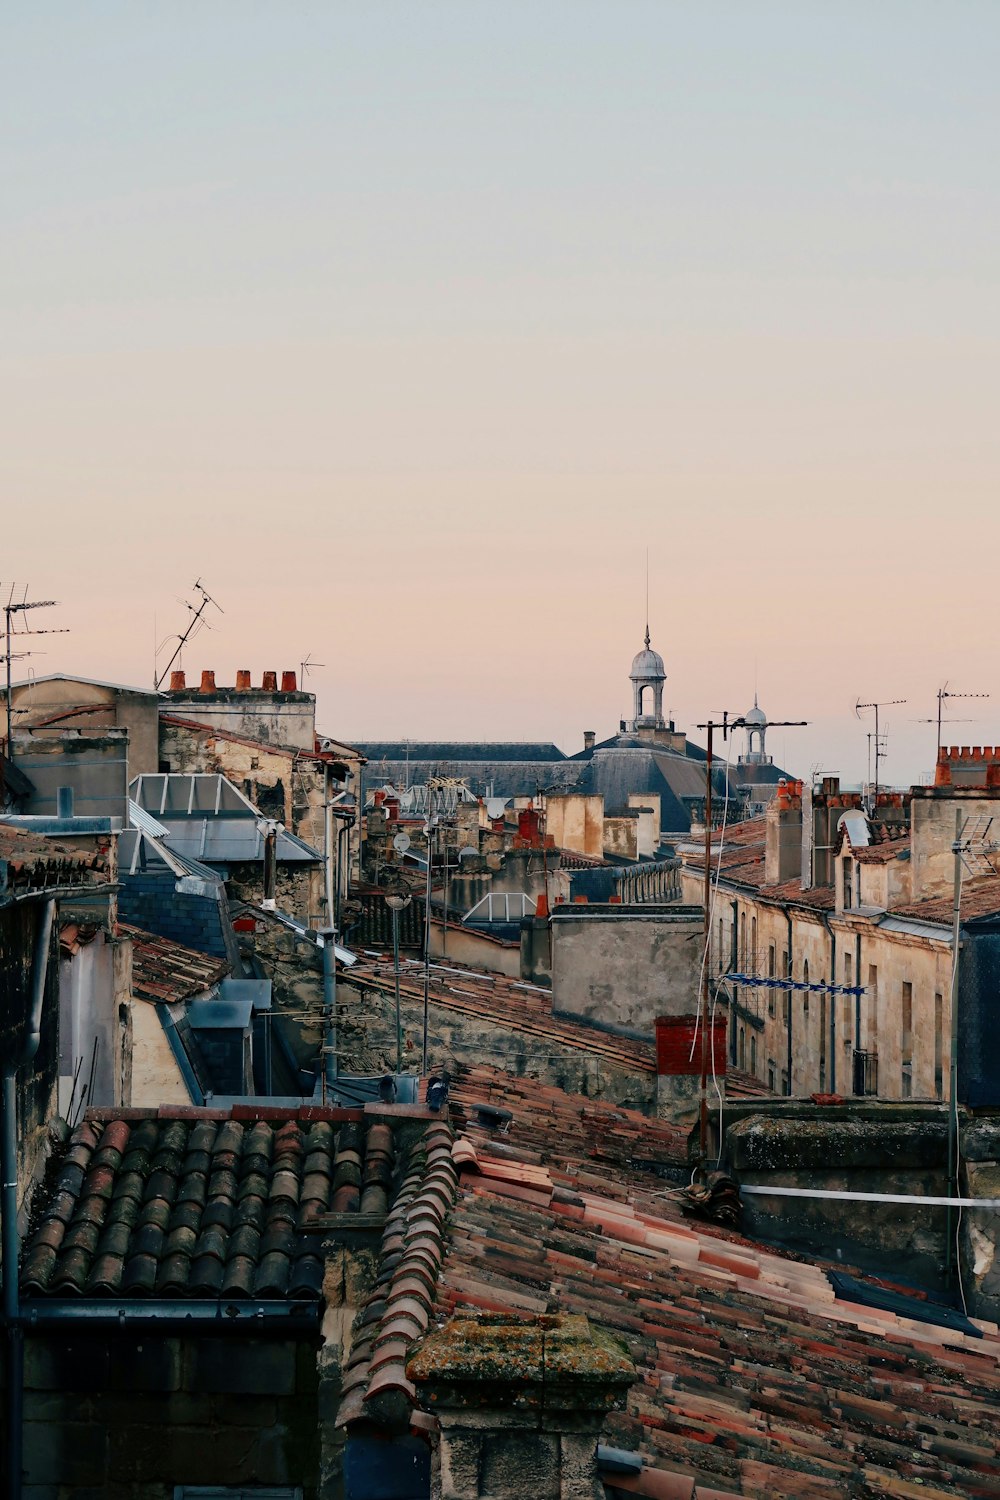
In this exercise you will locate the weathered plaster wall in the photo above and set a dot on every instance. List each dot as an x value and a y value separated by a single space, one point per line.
575 821
94 983
623 966
461 945
933 833
287 719
754 934
156 1078
112 707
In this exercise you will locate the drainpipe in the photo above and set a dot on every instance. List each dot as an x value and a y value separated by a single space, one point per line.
791 1007
833 1005
857 998
8 1205
330 1008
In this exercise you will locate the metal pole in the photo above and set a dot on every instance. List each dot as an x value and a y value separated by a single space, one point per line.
330 1006
703 1112
956 919
395 964
427 941
328 845
10 716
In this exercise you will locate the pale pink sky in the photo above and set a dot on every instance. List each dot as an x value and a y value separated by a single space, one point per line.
411 328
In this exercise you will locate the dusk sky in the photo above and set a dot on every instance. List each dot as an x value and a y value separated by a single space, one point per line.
410 327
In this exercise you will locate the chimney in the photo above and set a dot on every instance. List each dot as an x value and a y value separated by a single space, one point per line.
589 738
178 682
678 1063
270 683
243 682
288 682
783 835
520 1402
207 682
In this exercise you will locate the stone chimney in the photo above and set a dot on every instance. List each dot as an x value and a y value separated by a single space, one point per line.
783 835
520 1404
589 739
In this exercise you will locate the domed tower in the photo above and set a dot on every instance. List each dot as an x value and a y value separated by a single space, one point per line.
647 676
755 723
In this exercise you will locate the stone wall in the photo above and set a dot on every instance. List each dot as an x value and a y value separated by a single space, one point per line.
129 1416
366 1035
875 1148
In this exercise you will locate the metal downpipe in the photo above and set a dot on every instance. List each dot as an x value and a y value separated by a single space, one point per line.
9 1237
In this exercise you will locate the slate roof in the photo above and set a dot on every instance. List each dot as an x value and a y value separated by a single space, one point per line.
205 1203
755 1378
165 971
466 750
502 777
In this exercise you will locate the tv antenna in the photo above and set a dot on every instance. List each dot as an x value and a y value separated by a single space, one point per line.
194 625
942 694
11 609
308 665
879 738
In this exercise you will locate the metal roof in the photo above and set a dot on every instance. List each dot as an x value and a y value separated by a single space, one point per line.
216 1014
207 818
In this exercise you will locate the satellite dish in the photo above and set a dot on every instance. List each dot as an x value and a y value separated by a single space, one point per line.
495 807
401 842
468 851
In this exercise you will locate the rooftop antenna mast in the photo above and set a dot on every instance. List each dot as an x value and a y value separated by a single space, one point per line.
12 608
859 709
726 725
308 665
197 617
942 694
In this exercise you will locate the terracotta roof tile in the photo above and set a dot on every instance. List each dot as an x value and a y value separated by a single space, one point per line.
165 971
754 1378
199 1205
507 1005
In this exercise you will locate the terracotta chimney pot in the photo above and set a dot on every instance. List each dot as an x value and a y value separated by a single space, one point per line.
288 682
208 682
270 682
243 682
177 682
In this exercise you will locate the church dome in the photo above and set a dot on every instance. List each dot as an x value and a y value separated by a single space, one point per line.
756 718
647 665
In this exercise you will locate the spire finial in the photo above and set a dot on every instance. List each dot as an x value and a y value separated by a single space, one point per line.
647 598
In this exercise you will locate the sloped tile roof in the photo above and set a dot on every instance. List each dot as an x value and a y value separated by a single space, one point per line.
398 1311
980 898
754 1378
506 1003
165 971
29 861
205 1203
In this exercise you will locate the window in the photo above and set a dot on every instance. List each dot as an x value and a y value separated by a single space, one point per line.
847 1005
743 1048
770 1074
805 978
906 1040
938 1046
784 1083
753 1055
770 975
753 943
743 939
847 866
822 1037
